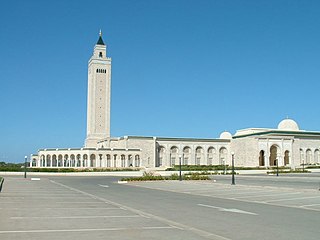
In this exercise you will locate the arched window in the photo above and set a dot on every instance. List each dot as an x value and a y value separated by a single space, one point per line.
162 155
302 159
174 155
308 156
211 153
100 54
186 155
223 154
199 155
316 156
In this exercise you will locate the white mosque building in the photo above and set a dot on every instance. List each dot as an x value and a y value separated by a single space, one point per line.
252 147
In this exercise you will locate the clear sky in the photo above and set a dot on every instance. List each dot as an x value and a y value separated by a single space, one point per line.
180 68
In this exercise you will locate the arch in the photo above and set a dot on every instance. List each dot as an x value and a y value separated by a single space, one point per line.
186 155
92 160
273 158
60 160
115 160
223 153
137 160
66 160
211 153
72 160
174 151
316 156
48 161
286 157
108 160
199 155
34 162
54 161
100 162
85 160
123 160
308 156
302 157
41 163
161 156
78 157
261 158
130 160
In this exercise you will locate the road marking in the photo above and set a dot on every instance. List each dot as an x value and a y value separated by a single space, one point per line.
290 199
77 217
234 210
269 195
111 208
35 179
85 230
81 202
105 186
310 205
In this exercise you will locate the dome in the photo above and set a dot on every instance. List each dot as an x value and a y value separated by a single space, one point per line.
225 135
288 124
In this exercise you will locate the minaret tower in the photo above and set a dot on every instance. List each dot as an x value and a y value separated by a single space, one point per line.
99 91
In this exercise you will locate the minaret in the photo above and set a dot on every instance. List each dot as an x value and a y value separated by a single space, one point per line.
99 91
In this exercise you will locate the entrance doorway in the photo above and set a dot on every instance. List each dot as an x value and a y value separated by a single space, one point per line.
273 155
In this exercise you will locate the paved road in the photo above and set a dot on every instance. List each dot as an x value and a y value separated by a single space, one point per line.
100 208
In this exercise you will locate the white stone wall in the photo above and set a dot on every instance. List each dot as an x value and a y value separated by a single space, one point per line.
246 151
193 145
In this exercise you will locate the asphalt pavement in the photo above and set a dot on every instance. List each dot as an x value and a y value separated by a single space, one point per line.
257 207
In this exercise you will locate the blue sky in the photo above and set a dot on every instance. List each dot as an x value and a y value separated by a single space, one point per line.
190 68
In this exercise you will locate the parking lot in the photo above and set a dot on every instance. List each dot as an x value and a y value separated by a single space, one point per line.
297 197
45 209
99 208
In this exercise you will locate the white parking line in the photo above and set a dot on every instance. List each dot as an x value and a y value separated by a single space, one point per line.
105 186
77 217
234 210
111 208
269 195
85 230
81 202
291 199
310 205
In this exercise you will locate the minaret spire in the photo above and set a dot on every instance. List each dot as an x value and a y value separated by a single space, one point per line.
100 41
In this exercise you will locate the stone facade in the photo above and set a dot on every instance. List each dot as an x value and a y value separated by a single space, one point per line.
253 147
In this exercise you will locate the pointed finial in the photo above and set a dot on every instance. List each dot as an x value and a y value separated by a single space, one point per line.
100 33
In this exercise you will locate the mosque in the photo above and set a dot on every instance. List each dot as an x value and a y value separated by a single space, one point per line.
253 147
